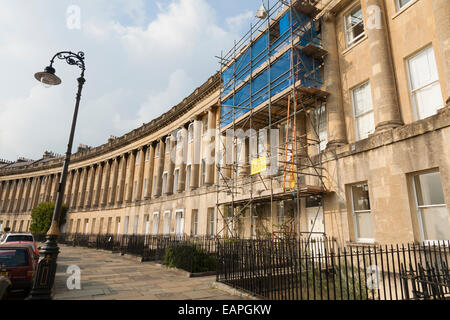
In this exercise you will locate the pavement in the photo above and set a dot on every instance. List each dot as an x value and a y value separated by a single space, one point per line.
110 276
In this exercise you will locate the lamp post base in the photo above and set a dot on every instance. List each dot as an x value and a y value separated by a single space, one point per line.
44 277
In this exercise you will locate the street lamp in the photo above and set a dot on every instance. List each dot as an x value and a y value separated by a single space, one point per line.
45 274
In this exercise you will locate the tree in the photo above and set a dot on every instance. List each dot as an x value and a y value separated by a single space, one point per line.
41 217
7 229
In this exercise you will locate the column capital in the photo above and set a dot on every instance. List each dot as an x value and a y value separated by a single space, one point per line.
329 17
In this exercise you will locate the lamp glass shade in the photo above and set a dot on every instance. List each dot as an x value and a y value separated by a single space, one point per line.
48 77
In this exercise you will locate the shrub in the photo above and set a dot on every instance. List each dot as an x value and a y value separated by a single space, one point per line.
7 229
189 258
41 217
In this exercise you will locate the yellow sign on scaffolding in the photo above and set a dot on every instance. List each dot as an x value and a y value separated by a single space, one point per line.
259 165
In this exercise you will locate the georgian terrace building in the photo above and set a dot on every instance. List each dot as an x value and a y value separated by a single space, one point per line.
381 120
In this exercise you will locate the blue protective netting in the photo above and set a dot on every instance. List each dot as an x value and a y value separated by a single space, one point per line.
256 90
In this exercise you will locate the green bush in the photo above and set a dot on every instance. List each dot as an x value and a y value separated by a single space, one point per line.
41 217
189 258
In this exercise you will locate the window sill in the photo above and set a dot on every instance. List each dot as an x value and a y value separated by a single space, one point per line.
354 45
399 12
362 243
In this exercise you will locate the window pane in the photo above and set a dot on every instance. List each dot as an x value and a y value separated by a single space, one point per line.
429 189
360 194
435 223
428 100
362 99
402 3
364 225
354 24
423 68
365 125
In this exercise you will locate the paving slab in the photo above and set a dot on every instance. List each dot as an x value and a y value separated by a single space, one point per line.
109 276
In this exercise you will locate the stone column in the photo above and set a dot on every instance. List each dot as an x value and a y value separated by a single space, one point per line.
90 186
68 191
171 165
36 192
336 130
75 188
29 194
55 186
1 193
210 147
132 162
139 196
114 178
196 154
47 188
82 190
122 176
5 198
160 170
441 11
26 195
19 196
98 184
12 196
386 109
149 174
105 183
182 160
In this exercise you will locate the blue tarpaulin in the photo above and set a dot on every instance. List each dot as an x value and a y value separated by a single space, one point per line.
256 91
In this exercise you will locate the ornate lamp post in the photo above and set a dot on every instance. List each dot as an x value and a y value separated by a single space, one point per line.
46 270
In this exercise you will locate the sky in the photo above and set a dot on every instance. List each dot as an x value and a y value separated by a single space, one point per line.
142 58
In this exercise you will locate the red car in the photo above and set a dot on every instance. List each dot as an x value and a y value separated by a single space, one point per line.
18 264
33 247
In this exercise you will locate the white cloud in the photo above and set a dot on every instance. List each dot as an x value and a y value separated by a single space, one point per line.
238 22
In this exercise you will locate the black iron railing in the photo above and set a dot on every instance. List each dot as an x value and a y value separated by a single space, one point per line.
298 270
313 268
148 247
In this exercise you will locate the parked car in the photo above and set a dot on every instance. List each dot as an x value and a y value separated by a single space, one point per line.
11 236
18 264
5 285
33 247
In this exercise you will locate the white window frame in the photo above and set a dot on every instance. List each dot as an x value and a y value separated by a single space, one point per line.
167 222
146 225
126 225
167 143
211 221
136 224
412 92
402 7
188 176
176 222
155 223
419 213
191 132
176 177
351 42
179 138
86 226
164 182
194 223
355 212
355 116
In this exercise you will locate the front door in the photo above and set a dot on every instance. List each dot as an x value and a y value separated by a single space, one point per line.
314 216
179 218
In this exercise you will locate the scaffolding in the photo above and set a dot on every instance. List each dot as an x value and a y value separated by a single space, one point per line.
272 79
